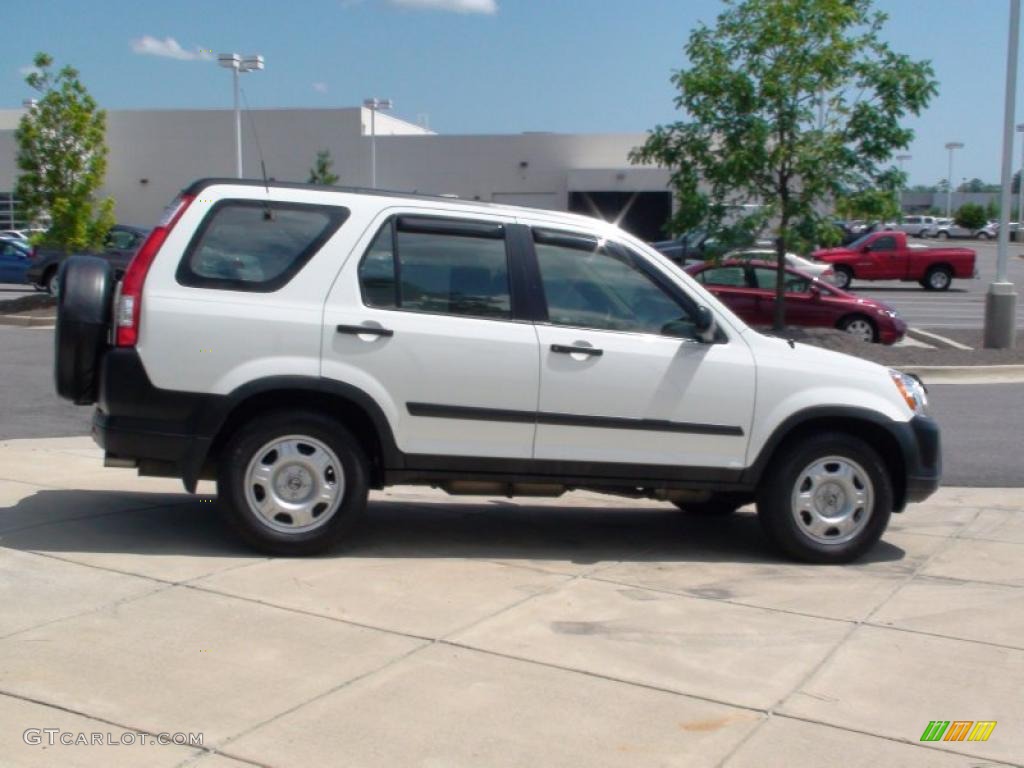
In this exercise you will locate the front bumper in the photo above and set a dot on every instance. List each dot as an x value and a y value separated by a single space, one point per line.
922 456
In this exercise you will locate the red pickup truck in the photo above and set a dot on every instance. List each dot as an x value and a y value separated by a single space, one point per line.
888 256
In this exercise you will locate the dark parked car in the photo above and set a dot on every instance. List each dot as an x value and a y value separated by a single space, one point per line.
14 260
121 244
748 289
698 245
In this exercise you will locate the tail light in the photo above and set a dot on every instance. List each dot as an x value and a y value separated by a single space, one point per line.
129 298
828 275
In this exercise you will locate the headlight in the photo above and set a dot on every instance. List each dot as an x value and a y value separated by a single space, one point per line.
912 390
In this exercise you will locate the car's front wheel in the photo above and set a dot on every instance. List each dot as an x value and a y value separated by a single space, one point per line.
860 327
826 499
293 483
843 277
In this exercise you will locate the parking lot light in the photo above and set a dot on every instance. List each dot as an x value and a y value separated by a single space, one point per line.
373 105
238 64
952 145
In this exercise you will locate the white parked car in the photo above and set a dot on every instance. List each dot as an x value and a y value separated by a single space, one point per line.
302 345
946 229
917 226
816 269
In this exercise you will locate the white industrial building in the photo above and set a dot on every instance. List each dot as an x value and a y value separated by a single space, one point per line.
154 153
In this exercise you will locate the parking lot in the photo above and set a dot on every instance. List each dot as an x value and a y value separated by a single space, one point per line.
963 305
582 631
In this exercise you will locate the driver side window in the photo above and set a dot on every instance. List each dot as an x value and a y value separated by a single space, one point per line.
590 284
884 244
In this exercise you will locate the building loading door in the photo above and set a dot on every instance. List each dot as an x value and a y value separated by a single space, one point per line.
642 214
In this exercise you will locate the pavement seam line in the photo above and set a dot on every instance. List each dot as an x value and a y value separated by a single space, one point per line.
855 625
64 520
107 721
430 641
907 742
98 609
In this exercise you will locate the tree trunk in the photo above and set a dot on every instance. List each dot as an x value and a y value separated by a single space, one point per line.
779 314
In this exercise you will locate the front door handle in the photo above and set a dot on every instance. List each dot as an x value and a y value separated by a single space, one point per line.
565 350
364 330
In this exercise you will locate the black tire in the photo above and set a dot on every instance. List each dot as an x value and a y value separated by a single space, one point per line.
858 321
719 505
938 278
982 235
250 440
942 235
83 325
843 277
775 505
51 281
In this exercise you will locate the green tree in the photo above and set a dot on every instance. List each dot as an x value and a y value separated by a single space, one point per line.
869 205
321 172
789 104
992 210
971 216
62 159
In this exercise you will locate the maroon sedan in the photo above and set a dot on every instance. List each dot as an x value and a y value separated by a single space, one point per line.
748 289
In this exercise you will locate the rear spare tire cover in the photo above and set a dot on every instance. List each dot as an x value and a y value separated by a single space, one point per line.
83 323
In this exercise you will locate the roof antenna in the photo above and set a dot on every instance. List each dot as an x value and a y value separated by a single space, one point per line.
268 214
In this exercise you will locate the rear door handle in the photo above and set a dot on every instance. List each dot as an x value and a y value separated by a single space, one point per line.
364 330
565 350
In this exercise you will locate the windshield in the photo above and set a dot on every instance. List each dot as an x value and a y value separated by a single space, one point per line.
860 241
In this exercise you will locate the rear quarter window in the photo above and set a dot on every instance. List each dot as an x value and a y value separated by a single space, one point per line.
253 245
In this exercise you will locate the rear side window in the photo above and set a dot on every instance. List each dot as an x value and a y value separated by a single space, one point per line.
253 245
733 277
433 265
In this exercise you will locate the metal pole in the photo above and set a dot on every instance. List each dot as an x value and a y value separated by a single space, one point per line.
1020 188
238 127
1001 301
949 187
373 147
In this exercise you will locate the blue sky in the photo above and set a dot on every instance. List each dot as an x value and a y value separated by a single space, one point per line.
478 66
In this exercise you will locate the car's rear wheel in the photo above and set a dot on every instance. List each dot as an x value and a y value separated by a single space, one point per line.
860 327
942 235
83 326
983 235
843 277
826 499
938 279
51 281
293 483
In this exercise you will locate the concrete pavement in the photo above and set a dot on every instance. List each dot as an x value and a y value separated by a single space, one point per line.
588 630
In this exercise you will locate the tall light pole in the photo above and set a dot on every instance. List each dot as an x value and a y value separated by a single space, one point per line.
949 189
1020 192
901 159
1001 301
374 105
239 64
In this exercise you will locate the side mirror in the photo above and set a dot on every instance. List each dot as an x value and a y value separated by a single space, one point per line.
704 322
815 290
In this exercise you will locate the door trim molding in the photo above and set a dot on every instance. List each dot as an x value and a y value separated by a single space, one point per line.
438 411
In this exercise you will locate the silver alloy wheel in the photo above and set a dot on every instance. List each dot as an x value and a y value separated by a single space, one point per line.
861 329
294 484
841 279
53 285
832 500
938 279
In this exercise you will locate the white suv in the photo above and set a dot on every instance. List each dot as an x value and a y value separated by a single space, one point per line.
918 226
302 345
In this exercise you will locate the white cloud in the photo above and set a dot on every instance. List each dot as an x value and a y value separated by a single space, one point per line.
456 6
27 70
169 49
320 87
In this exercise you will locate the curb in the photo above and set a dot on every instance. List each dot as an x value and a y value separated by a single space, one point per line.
967 374
24 321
